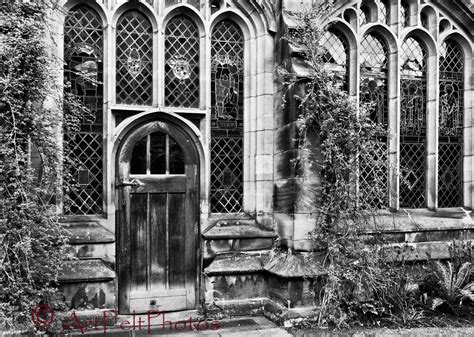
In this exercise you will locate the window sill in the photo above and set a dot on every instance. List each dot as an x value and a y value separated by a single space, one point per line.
418 220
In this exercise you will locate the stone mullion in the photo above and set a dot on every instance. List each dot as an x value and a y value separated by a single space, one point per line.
432 107
109 92
394 129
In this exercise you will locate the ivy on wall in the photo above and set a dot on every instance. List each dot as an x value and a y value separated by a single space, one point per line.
31 238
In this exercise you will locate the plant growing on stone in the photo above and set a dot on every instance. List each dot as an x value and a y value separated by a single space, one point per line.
449 286
31 239
337 139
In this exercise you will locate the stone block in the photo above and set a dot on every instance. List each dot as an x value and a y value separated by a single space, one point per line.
86 270
255 244
89 295
235 287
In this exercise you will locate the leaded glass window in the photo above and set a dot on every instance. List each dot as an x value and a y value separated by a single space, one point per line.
404 14
374 90
134 59
413 124
83 56
336 56
450 152
227 116
182 63
384 14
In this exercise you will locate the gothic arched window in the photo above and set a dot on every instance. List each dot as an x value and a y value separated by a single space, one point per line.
336 55
374 89
227 117
83 57
413 123
134 59
450 151
182 63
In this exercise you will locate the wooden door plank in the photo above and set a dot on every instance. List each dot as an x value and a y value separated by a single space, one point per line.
177 240
158 235
191 234
138 240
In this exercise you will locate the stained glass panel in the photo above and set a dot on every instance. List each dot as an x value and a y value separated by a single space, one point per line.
413 123
227 72
336 56
182 63
450 153
374 89
134 59
83 55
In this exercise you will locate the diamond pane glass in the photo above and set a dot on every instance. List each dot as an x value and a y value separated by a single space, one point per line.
413 123
451 117
227 75
373 182
336 56
374 89
412 165
404 12
83 55
134 59
182 63
383 12
373 84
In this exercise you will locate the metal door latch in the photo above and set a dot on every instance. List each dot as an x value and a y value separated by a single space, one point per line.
134 184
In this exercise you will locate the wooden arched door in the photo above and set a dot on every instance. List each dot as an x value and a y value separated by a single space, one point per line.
157 220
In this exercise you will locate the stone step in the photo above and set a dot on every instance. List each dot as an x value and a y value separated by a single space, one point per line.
88 284
235 235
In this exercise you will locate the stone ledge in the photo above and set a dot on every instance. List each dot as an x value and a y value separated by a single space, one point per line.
288 265
91 270
235 264
87 232
243 231
418 220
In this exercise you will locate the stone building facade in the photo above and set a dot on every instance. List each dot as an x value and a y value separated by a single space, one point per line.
185 197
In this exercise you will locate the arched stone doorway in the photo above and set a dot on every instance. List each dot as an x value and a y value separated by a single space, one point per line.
157 195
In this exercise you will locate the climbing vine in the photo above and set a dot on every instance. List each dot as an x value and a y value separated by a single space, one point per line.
360 280
33 244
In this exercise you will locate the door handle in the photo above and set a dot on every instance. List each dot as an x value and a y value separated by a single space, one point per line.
134 184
